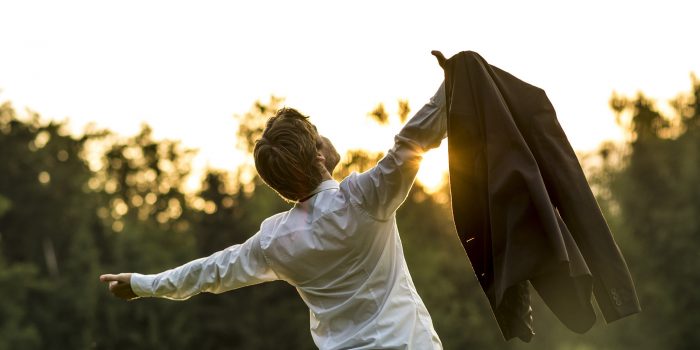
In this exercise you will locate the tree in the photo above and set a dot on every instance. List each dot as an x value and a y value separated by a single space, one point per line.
654 200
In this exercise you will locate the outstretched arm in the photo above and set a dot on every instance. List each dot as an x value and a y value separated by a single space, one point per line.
382 189
234 267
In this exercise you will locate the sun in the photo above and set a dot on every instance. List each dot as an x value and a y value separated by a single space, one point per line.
433 170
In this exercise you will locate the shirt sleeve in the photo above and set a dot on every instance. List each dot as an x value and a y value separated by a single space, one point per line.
382 189
234 267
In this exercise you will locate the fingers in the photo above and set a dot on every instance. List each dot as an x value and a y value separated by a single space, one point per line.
122 277
440 57
108 278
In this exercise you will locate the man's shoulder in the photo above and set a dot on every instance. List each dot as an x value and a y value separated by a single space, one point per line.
349 186
362 193
269 225
273 220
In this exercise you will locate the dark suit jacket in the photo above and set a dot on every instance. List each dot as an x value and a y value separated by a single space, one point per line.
522 206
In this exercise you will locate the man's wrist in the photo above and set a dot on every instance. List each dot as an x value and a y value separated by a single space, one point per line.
142 285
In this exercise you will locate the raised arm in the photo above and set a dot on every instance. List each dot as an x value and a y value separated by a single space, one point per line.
234 267
382 189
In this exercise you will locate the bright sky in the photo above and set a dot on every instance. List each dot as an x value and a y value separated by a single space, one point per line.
187 67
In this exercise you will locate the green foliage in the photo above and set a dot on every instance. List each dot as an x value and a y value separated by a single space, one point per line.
17 330
46 231
656 191
5 205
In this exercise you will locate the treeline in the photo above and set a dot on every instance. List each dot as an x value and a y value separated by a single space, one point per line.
74 207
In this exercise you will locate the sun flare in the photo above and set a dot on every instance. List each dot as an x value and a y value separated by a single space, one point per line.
433 170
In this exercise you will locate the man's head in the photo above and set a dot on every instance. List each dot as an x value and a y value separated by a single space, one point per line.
291 157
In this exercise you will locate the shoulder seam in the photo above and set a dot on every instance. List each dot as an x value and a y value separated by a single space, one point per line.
262 252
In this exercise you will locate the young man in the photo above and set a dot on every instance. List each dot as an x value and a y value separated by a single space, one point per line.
339 244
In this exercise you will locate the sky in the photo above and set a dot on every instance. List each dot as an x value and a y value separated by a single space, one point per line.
186 68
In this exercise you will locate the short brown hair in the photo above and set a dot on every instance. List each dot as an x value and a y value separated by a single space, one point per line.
285 155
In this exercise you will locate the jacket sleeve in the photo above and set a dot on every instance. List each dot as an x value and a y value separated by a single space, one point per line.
382 189
234 267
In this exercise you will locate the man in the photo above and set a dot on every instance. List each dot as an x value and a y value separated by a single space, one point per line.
339 244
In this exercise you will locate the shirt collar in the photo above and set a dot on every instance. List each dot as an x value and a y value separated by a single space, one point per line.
325 185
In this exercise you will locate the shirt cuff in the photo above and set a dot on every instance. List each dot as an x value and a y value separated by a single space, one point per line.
142 285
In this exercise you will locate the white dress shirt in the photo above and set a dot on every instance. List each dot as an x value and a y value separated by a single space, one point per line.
340 249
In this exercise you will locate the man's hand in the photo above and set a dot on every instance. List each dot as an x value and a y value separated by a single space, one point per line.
440 57
120 285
